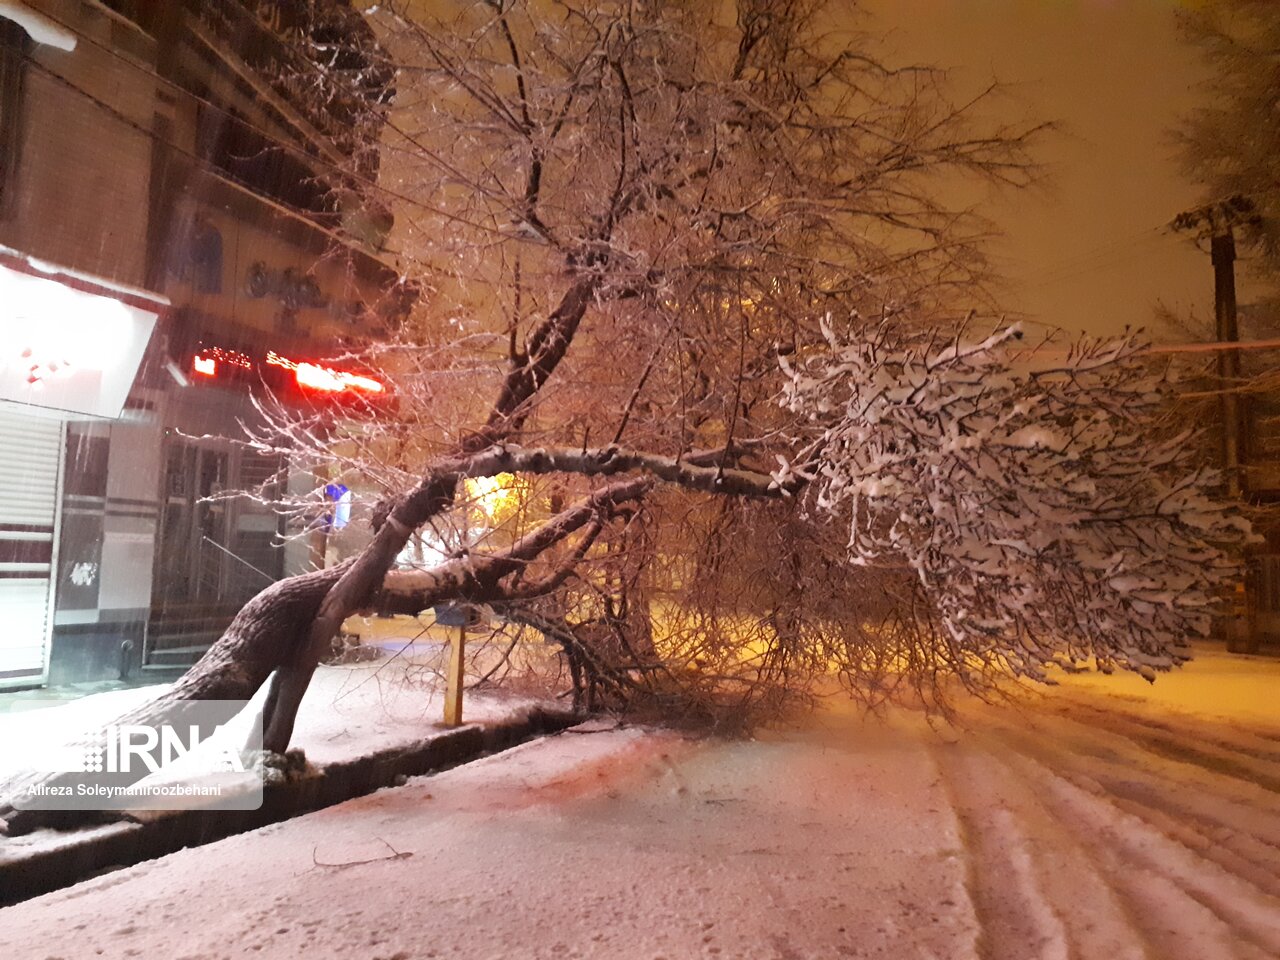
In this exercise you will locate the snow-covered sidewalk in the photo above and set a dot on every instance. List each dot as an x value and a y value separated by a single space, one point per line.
1080 825
350 713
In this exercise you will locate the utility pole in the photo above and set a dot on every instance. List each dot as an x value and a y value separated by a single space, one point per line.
1217 223
1222 248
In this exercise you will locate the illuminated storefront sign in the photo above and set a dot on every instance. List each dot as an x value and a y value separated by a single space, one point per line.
312 376
220 363
70 342
215 361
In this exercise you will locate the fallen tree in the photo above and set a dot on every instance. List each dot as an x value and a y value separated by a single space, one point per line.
712 239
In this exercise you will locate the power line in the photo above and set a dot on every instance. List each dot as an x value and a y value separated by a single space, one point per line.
1096 259
1111 263
1100 258
1103 255
1217 346
194 157
247 124
1103 249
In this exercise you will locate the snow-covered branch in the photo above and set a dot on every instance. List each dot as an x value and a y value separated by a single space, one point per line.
1042 513
612 460
477 578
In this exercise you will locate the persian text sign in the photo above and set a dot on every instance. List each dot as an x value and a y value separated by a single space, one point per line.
180 756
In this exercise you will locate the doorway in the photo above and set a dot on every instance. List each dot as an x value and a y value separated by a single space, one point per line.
190 579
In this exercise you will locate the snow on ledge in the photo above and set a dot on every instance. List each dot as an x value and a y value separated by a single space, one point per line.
39 28
91 282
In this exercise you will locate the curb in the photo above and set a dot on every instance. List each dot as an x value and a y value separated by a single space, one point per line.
23 876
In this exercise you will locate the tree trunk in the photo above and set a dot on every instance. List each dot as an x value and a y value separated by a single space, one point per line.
265 636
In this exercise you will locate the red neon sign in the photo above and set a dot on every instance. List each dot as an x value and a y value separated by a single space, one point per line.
219 363
207 360
315 377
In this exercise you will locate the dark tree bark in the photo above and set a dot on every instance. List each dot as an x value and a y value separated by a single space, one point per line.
265 636
358 582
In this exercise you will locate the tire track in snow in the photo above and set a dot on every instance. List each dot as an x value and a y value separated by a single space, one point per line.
1220 756
1125 755
1252 739
1178 799
1261 875
1189 906
1037 891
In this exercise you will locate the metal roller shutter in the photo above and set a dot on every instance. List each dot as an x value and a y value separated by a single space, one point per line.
30 476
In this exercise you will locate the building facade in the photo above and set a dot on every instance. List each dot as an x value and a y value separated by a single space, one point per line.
188 209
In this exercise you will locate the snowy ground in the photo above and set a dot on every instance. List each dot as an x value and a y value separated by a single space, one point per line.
1086 824
347 713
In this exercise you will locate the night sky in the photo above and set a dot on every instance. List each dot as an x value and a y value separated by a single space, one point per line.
1088 252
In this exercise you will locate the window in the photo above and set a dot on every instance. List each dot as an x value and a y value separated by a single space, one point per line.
206 258
136 11
265 167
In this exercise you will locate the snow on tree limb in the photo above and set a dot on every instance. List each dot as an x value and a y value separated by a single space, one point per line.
477 578
611 460
1044 513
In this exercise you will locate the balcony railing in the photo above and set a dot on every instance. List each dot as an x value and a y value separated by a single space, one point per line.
318 57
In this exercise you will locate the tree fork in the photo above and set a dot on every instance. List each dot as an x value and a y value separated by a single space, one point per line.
434 494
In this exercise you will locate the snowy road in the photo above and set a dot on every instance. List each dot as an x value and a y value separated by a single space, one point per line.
1081 826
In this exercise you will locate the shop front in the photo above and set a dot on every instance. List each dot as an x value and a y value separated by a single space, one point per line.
70 348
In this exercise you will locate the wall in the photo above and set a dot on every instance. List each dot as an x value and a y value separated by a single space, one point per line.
78 197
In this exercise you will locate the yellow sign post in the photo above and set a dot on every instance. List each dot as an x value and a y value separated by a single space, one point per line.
453 681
